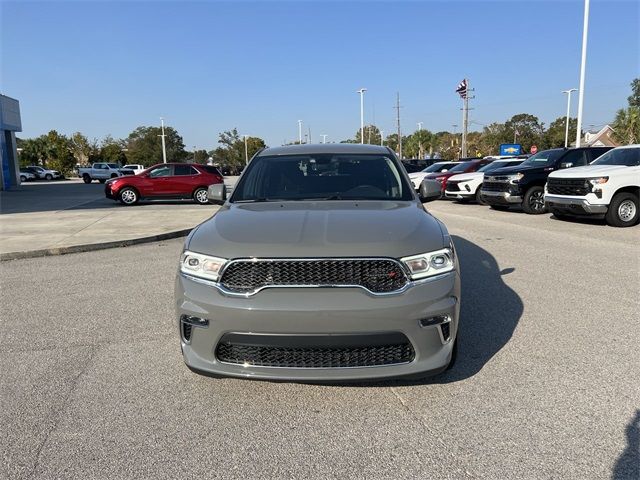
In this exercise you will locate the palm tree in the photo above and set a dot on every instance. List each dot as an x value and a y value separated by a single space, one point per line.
626 126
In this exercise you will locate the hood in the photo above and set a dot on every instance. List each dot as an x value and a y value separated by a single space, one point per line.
418 175
439 175
588 171
516 169
318 229
465 177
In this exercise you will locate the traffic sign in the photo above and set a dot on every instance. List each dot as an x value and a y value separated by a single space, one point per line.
510 149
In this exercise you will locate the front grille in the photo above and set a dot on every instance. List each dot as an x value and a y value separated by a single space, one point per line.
378 276
342 351
568 186
186 331
445 328
453 186
495 186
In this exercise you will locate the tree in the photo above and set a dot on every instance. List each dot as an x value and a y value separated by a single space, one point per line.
418 144
58 152
112 151
231 152
200 156
144 146
634 98
554 136
32 150
83 150
371 135
446 145
626 126
528 127
493 136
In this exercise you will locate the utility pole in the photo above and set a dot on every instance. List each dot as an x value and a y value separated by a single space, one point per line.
583 64
419 141
299 132
398 124
381 138
361 92
164 147
465 119
246 151
566 129
324 138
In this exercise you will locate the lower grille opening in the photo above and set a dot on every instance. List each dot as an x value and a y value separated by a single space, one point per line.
445 328
186 331
341 351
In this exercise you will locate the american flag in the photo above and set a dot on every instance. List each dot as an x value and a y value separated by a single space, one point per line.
462 88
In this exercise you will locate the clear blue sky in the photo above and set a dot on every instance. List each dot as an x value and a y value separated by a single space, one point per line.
107 67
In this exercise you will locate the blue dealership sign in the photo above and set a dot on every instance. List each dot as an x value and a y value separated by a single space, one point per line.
510 149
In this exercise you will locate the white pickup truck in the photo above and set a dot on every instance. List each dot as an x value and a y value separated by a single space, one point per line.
102 172
609 186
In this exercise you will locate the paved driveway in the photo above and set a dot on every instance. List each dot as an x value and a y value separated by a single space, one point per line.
546 386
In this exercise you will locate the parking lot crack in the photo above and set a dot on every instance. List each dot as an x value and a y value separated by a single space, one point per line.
57 415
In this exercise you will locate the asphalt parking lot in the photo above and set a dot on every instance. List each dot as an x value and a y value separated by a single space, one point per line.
546 384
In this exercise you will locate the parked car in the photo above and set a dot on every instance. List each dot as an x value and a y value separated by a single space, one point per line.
44 173
417 177
135 168
101 171
414 165
168 181
322 265
609 186
524 183
466 186
27 175
460 167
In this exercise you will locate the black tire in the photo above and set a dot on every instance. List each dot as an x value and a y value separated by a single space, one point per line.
500 208
200 196
102 180
479 199
533 202
23 179
623 210
86 178
558 215
48 177
128 196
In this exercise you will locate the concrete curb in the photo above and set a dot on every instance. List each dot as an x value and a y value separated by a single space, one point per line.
93 246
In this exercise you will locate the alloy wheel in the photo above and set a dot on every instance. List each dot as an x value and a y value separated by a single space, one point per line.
627 210
201 196
536 201
128 196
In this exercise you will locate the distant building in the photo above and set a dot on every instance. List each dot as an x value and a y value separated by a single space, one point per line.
10 123
600 138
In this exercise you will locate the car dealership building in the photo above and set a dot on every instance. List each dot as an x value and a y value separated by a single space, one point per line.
10 123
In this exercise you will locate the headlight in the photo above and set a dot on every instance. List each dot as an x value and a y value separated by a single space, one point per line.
598 181
429 264
202 266
515 178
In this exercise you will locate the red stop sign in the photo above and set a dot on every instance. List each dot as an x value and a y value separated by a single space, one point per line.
534 149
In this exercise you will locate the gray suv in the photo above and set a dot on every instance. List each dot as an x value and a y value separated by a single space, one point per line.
322 265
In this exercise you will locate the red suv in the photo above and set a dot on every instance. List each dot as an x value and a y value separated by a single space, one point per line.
165 181
466 166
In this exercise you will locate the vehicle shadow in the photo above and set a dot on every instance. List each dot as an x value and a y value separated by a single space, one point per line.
597 221
628 464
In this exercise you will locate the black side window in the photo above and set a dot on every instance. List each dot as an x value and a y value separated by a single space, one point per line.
163 171
184 170
576 157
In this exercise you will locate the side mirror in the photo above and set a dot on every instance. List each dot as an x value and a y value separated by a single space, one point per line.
430 190
566 165
217 193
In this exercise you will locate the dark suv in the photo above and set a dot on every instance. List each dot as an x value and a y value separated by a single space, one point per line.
524 183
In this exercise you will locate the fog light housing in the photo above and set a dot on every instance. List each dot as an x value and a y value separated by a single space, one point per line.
195 321
435 320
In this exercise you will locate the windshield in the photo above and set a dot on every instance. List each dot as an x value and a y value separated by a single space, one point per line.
460 167
540 159
438 167
131 166
629 157
113 165
322 177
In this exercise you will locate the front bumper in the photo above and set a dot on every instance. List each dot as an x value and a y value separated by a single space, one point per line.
500 198
574 205
325 313
459 194
109 193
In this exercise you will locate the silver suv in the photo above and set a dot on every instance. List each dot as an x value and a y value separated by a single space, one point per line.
322 265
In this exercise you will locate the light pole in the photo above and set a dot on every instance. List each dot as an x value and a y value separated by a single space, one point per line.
419 142
164 148
382 138
299 132
246 151
566 129
324 138
583 64
361 92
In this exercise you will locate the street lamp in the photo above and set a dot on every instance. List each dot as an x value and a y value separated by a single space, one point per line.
246 150
566 130
419 142
164 148
300 132
583 64
361 92
382 138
